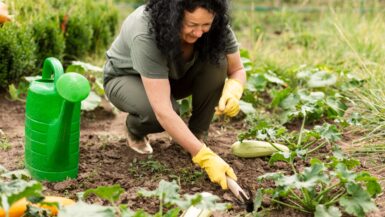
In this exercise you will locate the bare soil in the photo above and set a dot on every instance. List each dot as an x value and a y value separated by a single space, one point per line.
105 159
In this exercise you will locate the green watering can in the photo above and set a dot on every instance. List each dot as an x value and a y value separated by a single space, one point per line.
52 123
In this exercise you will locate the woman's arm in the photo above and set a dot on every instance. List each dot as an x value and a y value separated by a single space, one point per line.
233 89
159 95
235 67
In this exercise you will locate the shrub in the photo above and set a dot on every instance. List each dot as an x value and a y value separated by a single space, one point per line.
103 21
48 38
16 53
78 35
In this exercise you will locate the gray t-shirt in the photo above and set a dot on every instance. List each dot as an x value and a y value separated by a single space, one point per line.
134 51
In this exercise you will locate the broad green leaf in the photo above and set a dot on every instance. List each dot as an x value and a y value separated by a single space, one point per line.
315 173
167 191
328 132
322 79
358 201
184 107
204 201
322 211
256 82
13 93
311 97
258 199
337 108
76 68
281 156
290 102
172 212
246 107
344 174
91 102
305 74
81 209
126 212
98 86
372 185
17 189
110 193
279 96
273 78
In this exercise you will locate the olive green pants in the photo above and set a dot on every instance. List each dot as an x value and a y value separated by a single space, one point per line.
204 81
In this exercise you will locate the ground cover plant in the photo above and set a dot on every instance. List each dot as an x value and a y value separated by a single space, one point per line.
315 84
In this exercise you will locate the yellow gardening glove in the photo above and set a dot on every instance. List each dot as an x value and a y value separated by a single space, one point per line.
216 168
229 101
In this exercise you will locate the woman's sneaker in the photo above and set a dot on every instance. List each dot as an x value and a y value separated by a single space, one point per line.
140 145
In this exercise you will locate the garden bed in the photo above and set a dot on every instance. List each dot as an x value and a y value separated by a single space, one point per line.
105 160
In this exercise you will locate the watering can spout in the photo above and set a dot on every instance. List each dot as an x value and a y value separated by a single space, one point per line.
73 88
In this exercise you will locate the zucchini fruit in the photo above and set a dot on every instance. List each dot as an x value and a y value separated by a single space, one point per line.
254 148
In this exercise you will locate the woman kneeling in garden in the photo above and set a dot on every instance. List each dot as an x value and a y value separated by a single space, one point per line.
168 50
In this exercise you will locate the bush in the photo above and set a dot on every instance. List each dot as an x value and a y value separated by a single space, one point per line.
49 39
17 53
78 35
103 22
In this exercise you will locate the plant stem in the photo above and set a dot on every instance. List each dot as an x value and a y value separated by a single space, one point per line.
301 130
326 191
161 204
309 144
316 148
289 205
335 198
293 167
295 195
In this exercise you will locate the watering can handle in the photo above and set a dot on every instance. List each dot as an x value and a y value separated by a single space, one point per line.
52 66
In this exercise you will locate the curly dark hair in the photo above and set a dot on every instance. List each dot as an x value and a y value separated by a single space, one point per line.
166 18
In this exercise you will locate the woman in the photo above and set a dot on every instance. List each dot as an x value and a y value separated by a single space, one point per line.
168 50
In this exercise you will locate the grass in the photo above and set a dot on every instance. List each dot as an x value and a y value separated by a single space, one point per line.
344 37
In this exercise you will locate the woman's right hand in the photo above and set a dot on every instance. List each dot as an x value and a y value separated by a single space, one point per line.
216 168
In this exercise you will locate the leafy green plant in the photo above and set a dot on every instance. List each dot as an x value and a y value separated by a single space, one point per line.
324 187
147 165
49 39
94 74
17 53
167 193
4 142
78 35
15 185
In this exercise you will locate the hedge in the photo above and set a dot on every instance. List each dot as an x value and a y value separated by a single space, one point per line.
67 30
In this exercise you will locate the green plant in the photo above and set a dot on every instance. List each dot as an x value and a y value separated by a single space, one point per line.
167 193
78 36
15 185
48 38
320 188
4 142
17 53
137 167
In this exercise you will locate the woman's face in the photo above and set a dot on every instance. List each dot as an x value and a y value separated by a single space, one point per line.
195 24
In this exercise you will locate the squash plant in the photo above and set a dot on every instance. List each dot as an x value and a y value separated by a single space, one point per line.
166 193
325 189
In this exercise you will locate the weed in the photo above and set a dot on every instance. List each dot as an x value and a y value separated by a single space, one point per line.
4 142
